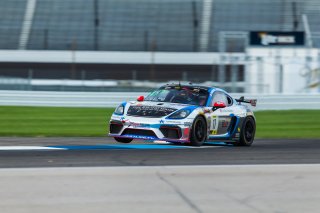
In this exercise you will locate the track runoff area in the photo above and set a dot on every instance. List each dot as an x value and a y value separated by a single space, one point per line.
97 175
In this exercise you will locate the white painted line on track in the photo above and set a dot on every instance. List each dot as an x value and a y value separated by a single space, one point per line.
134 168
233 166
106 147
8 148
217 166
205 147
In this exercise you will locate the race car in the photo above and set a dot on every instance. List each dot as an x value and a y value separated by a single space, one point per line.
187 114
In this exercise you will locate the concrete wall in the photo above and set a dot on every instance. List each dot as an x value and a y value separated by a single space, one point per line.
283 70
113 99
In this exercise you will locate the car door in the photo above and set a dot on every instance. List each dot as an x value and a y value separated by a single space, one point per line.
220 117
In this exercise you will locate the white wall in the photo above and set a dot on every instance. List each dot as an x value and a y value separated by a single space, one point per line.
113 99
299 69
262 64
114 57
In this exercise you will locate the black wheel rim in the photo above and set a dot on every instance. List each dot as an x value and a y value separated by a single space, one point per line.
249 131
199 130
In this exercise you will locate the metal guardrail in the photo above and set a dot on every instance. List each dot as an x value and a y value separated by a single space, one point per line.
112 99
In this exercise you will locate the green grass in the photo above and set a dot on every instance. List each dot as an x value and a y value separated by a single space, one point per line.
288 124
53 121
59 121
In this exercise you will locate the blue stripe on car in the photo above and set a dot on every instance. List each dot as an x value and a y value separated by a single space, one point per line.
211 91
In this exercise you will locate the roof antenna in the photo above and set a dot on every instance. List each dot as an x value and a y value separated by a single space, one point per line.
179 84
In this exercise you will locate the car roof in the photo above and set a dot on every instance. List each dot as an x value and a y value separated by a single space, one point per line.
194 86
191 86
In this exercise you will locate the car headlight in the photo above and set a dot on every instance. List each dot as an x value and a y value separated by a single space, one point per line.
119 110
180 114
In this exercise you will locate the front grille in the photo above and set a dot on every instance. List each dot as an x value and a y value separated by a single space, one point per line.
115 127
142 132
173 132
149 111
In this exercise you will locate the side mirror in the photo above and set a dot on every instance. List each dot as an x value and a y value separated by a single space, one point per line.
219 104
140 98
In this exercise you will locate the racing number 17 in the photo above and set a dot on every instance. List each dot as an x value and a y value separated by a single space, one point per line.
214 126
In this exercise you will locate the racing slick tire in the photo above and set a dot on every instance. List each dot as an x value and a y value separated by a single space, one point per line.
123 140
198 131
247 133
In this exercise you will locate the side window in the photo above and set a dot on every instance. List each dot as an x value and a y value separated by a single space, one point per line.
230 101
219 96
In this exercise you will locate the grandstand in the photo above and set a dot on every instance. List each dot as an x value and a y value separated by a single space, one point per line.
143 25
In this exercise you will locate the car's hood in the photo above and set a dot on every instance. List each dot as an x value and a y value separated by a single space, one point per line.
152 109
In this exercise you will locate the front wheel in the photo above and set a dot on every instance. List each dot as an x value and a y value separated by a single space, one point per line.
247 132
123 140
198 132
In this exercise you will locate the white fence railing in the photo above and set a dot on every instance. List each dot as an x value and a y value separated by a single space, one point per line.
112 99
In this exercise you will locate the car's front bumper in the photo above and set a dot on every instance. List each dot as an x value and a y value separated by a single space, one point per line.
149 129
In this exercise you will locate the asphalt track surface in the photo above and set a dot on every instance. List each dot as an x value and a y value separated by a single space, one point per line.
101 152
271 176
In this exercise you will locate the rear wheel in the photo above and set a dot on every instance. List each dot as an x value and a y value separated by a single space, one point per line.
123 140
198 132
247 133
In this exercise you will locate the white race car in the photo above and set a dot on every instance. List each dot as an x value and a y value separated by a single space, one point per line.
187 114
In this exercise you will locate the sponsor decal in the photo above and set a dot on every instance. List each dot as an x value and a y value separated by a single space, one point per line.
213 132
226 110
224 123
154 111
172 122
237 135
177 104
187 124
276 38
161 121
238 129
141 137
206 111
124 120
270 39
133 124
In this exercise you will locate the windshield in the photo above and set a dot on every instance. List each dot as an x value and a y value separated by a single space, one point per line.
183 95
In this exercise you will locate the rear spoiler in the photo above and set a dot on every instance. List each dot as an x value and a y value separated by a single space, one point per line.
253 102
